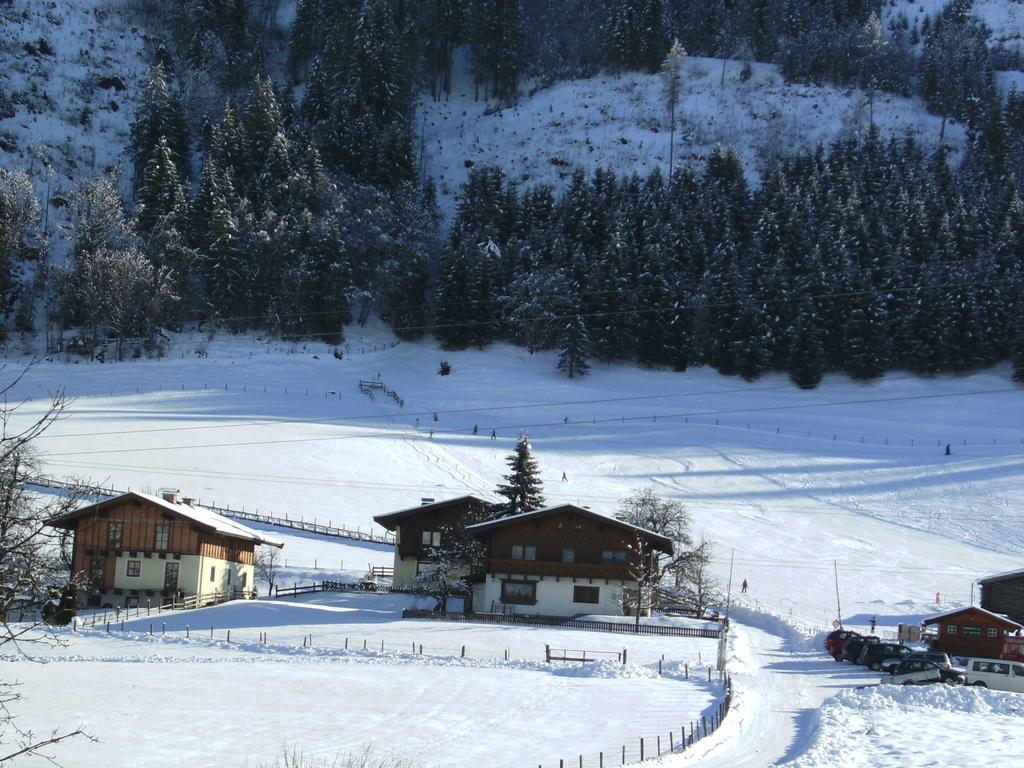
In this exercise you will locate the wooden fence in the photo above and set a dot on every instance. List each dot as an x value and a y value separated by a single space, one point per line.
647 747
564 623
368 587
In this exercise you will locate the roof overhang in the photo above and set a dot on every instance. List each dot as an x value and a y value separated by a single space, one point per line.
658 541
391 519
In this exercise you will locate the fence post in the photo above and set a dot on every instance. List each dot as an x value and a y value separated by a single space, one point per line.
641 749
463 651
186 632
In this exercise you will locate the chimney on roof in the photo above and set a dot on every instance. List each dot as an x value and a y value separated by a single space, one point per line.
424 500
170 495
189 501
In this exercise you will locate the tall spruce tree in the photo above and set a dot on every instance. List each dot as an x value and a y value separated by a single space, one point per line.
575 344
522 489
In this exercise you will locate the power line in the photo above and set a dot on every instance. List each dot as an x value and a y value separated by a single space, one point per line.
443 412
593 421
698 503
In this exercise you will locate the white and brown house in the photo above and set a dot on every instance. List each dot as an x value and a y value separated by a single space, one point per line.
418 529
137 547
559 561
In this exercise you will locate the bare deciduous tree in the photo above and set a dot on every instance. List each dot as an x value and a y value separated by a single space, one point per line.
267 564
33 559
695 584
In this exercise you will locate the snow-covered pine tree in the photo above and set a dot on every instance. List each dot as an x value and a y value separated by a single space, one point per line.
522 489
161 193
575 344
160 115
671 87
807 354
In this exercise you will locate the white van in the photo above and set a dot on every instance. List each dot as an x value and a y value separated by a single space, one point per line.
997 674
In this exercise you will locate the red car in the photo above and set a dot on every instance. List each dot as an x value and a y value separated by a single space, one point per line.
835 640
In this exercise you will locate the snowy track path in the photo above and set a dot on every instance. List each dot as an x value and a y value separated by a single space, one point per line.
777 694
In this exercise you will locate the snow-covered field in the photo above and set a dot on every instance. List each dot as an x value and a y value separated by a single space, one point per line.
788 480
418 697
784 481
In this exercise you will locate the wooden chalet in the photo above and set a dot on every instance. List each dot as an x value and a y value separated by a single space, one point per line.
1004 594
972 631
560 561
137 547
418 529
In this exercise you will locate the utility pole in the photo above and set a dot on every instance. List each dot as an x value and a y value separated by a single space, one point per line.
839 610
728 591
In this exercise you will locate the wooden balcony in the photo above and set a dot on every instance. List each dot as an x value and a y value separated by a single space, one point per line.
572 570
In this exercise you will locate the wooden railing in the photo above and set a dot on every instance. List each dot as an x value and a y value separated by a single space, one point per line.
565 623
558 568
367 587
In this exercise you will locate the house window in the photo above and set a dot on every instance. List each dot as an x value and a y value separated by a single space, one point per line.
993 632
134 568
213 572
972 631
521 552
519 592
951 629
163 536
229 576
171 576
431 538
97 572
242 581
568 555
613 557
586 594
114 534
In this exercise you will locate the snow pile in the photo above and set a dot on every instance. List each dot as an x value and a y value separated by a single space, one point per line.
887 726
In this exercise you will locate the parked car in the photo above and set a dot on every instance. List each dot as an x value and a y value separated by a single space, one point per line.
998 674
873 654
922 671
835 640
938 657
853 646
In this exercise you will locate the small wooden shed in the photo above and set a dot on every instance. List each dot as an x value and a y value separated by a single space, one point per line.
972 631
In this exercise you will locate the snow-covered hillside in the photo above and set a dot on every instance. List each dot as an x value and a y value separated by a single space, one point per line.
70 76
1004 17
620 122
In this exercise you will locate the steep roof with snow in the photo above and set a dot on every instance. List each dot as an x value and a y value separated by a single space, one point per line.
1002 576
390 520
662 542
199 515
973 609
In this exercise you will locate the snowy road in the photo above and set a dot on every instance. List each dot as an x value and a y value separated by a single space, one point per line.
778 691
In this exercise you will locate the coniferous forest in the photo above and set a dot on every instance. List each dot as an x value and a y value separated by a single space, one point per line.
278 185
